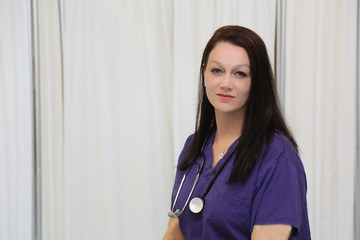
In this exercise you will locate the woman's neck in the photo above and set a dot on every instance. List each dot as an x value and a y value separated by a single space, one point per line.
228 127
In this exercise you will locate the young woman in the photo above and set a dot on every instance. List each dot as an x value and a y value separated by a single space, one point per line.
239 175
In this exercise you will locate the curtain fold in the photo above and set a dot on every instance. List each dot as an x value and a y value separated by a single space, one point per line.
51 119
16 123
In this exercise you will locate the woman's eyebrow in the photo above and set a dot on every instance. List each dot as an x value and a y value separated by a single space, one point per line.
239 65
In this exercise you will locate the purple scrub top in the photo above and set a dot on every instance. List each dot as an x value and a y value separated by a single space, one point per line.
274 193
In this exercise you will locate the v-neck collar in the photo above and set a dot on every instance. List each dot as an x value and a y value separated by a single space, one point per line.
209 155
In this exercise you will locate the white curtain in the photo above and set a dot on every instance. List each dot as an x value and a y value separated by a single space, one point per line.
118 123
16 123
320 102
51 119
118 97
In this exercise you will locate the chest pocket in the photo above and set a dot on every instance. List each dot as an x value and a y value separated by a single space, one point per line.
230 215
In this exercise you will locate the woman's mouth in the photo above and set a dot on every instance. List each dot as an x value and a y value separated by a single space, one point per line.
225 96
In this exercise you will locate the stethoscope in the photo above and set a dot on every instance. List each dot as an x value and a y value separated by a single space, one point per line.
197 203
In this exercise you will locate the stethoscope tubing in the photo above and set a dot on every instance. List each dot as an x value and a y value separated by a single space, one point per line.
200 201
218 172
178 212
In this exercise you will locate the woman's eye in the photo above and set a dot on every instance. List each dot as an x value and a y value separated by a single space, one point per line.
241 74
216 70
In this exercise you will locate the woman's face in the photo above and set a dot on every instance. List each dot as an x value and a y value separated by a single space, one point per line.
227 78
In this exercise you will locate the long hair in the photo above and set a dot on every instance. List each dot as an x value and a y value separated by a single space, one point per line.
263 116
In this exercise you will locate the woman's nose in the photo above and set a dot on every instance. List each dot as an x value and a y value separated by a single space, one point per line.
226 82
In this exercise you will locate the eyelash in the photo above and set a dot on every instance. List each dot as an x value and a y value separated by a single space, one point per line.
241 74
216 70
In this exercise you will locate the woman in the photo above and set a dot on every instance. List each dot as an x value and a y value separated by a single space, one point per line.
252 184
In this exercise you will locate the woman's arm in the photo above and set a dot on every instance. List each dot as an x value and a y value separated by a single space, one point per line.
173 232
270 232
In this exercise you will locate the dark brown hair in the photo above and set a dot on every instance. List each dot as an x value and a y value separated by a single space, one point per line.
263 116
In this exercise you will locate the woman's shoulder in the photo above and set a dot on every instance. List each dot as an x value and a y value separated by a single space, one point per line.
189 140
281 144
280 150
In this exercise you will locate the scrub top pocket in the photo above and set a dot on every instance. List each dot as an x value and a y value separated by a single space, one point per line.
228 212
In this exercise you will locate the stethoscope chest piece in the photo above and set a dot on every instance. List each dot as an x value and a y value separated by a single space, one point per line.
196 205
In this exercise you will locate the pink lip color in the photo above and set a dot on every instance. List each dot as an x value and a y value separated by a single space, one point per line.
224 96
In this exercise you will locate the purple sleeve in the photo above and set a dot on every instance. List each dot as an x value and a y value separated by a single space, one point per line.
280 189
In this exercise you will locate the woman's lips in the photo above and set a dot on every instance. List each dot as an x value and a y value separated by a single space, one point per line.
225 96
